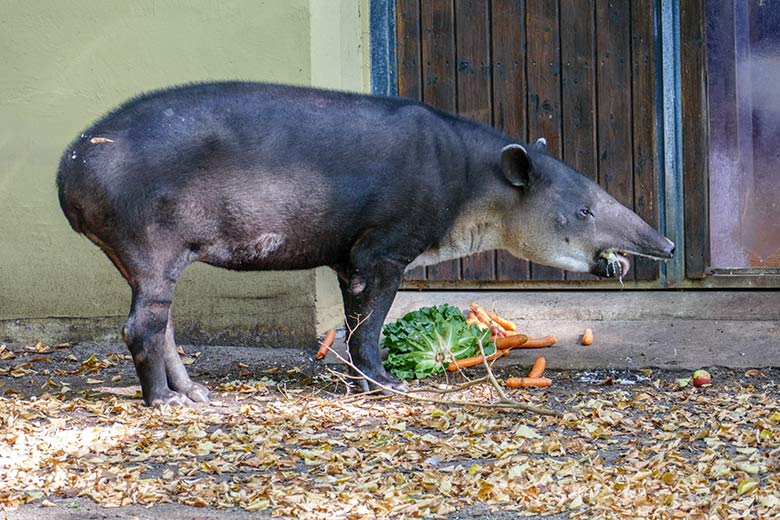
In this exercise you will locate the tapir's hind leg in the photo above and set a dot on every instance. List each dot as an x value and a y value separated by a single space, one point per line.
149 330
144 334
178 379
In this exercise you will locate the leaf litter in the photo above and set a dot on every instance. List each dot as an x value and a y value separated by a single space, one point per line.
647 450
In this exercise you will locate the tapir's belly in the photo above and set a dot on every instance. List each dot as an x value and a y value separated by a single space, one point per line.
270 246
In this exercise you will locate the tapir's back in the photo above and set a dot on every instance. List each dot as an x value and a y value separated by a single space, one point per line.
250 124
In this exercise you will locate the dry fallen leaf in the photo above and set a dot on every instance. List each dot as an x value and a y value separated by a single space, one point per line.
295 451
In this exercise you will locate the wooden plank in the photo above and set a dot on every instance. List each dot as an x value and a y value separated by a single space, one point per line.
407 21
408 53
474 96
473 52
578 92
694 136
644 125
613 48
509 107
544 97
578 86
437 20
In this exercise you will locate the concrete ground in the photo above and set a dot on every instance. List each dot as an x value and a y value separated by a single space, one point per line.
632 329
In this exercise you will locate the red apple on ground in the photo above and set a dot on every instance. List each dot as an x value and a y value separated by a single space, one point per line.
701 378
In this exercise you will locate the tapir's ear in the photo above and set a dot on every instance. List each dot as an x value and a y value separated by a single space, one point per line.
516 165
541 143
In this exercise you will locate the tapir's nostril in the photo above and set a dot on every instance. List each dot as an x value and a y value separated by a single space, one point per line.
671 248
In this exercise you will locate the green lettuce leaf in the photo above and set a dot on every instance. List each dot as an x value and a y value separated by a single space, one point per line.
425 341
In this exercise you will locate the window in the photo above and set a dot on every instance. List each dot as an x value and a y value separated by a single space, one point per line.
743 60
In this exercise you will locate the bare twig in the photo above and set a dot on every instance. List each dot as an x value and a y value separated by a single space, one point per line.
351 330
341 377
450 389
490 376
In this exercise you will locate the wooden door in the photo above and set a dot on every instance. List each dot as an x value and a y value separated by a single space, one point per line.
581 73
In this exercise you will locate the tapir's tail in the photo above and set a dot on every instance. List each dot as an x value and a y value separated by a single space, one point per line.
68 174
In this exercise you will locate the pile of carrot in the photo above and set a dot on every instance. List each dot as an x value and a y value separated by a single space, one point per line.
503 333
499 327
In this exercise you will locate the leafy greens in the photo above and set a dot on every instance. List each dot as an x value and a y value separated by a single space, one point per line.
425 341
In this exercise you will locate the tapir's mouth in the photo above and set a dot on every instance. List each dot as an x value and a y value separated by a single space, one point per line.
614 263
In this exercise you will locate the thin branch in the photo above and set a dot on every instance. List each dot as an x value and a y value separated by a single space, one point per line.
450 389
490 376
364 397
341 377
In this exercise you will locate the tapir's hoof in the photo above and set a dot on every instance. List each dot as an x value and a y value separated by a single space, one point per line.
196 392
388 384
398 386
169 398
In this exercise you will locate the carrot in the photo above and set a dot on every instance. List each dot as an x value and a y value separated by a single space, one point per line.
516 340
472 319
508 325
482 316
497 332
527 382
480 313
546 341
538 369
327 342
587 337
474 360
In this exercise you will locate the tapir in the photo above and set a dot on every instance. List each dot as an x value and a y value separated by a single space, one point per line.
255 176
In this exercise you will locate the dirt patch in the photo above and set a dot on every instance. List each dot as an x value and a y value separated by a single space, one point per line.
283 437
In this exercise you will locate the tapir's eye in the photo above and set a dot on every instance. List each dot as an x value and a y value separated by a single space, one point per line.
584 213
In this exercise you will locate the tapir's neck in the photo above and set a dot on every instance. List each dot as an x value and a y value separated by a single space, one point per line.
474 231
480 223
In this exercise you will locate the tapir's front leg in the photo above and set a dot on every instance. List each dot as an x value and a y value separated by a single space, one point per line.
365 315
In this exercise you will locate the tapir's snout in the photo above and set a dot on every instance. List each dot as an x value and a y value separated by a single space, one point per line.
668 251
625 234
654 245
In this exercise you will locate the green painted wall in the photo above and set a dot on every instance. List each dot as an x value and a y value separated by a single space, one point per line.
66 62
